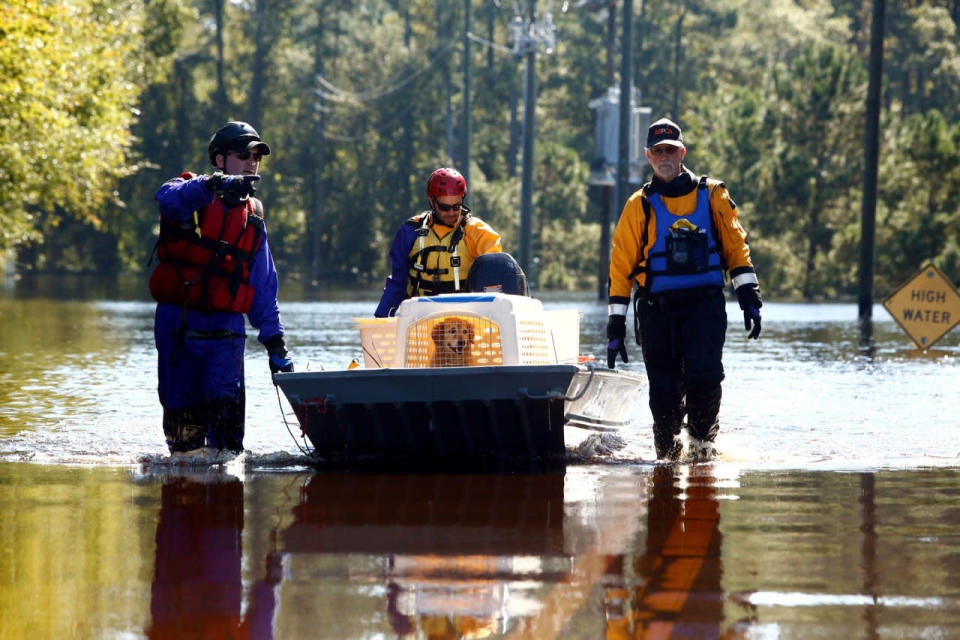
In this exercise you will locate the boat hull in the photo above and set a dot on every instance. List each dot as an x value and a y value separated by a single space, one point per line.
503 412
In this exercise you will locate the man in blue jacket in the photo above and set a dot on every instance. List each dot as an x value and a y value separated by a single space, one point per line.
214 267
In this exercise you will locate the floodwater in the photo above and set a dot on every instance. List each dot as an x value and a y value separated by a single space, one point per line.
833 510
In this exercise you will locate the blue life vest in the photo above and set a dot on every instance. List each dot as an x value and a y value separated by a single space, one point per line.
685 253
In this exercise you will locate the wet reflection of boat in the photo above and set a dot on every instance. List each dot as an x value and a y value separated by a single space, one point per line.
458 555
430 514
462 375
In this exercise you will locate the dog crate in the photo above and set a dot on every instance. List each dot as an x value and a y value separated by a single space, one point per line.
497 329
461 339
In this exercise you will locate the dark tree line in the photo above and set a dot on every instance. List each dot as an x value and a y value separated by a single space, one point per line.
360 101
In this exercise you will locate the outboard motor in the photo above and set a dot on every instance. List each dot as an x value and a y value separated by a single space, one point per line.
497 272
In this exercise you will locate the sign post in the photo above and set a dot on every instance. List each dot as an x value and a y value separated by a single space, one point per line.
927 306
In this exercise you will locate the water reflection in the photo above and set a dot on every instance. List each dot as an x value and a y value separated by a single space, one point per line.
673 588
197 589
464 556
867 347
455 556
868 551
595 552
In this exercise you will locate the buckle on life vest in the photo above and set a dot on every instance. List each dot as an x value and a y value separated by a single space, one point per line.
423 231
454 261
418 267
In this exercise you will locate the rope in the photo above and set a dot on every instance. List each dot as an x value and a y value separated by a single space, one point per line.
305 452
374 356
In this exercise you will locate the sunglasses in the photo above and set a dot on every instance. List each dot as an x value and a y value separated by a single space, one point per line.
246 155
452 207
665 150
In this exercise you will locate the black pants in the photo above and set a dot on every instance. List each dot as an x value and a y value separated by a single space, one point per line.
218 423
682 334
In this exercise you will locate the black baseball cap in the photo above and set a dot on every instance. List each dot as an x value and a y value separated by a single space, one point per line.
664 131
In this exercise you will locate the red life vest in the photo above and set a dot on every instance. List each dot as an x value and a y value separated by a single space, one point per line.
205 265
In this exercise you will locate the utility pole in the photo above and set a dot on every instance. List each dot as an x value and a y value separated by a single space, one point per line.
319 222
529 124
467 132
626 86
528 35
616 164
871 144
609 202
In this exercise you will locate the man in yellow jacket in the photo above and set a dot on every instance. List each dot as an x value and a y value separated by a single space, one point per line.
675 238
432 252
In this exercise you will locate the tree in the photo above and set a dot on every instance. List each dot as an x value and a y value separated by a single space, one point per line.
920 198
69 82
357 101
817 126
922 61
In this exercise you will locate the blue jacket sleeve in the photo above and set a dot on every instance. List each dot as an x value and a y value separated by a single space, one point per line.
180 197
264 312
395 289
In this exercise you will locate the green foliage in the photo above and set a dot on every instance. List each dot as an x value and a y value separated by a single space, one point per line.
923 59
69 81
568 255
920 180
361 101
805 190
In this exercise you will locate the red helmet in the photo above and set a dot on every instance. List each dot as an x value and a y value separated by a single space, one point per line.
446 182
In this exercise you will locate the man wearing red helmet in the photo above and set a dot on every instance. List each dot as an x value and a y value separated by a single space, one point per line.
432 251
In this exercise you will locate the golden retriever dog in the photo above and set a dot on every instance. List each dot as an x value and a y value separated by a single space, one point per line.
453 339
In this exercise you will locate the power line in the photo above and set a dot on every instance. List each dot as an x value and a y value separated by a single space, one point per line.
337 94
492 45
370 130
526 35
542 33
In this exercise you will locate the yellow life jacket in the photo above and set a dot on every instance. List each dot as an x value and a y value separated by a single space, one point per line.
437 264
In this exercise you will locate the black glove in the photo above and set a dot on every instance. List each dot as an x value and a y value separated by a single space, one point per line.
749 297
617 335
240 186
280 360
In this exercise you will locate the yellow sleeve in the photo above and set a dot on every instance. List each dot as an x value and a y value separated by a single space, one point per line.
480 238
628 251
733 237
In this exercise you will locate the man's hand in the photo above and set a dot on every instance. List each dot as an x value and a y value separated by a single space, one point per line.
280 360
748 295
616 334
241 186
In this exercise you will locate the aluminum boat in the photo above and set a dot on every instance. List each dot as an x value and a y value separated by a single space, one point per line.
460 377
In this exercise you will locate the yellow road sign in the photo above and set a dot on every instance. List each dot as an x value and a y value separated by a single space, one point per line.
927 306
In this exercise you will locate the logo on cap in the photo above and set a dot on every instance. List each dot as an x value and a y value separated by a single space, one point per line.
664 131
